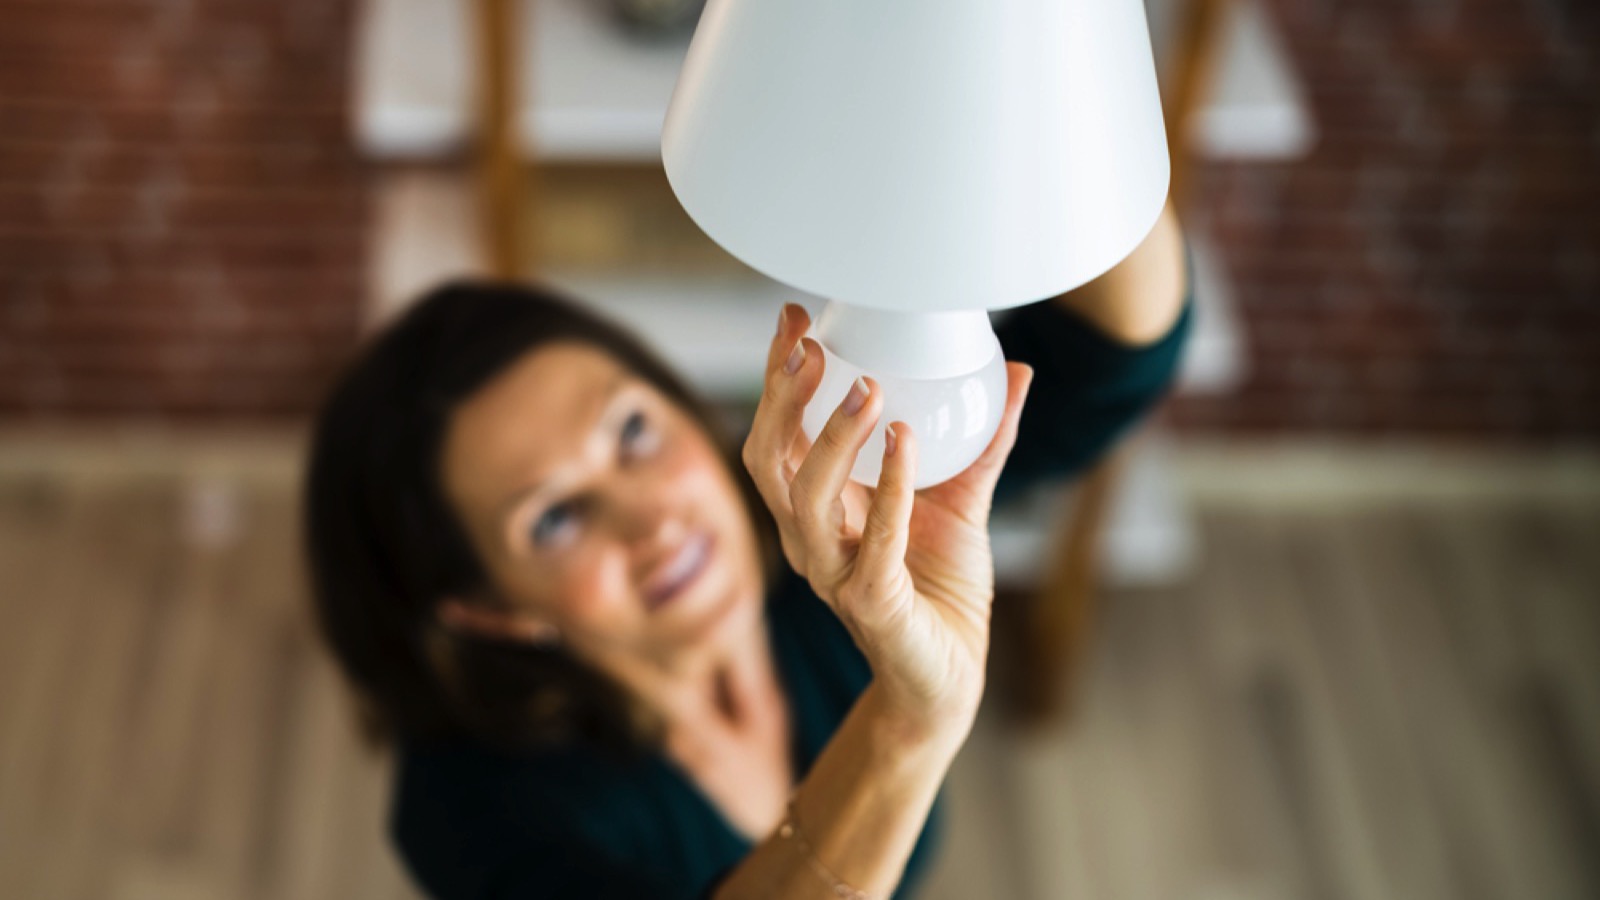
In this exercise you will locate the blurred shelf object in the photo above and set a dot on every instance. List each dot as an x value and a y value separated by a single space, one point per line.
1151 538
1253 106
596 91
1215 361
713 329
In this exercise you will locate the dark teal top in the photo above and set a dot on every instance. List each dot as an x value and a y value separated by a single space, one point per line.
573 822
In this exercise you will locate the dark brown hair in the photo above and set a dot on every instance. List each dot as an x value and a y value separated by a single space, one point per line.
384 546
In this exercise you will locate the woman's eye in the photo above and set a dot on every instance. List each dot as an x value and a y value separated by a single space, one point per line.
637 436
556 524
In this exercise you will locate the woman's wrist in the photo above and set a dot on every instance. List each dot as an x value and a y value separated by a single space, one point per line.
913 730
854 820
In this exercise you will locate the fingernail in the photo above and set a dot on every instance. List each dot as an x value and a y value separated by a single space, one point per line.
783 316
890 442
796 357
857 397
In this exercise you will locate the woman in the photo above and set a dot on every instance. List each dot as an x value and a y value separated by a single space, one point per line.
564 603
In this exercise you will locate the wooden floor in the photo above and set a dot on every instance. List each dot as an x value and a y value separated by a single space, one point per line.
1395 701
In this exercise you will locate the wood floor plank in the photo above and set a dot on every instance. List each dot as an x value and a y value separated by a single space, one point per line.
49 668
1267 779
1090 758
236 710
1044 786
1555 561
1343 582
33 515
288 658
90 730
1156 677
359 864
1215 816
1344 859
1258 856
309 867
1458 556
981 840
1502 843
375 871
166 747
1579 553
32 520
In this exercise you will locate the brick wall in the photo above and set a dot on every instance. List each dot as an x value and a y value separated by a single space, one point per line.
1433 267
181 220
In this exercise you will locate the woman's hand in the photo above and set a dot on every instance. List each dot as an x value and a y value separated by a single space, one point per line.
910 574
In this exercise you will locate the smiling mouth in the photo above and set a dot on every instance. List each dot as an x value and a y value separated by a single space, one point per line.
681 571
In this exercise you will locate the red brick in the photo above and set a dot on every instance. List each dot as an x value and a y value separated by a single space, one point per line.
182 220
1433 266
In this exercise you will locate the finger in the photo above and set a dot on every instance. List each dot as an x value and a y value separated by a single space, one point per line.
814 494
777 420
793 322
767 449
880 560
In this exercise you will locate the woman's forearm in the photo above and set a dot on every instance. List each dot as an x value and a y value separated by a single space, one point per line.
912 583
1137 300
860 809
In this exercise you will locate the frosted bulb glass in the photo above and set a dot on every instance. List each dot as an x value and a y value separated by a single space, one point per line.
954 418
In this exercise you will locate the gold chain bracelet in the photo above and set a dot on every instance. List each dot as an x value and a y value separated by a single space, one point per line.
789 829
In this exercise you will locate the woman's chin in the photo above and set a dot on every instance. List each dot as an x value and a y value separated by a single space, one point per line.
716 610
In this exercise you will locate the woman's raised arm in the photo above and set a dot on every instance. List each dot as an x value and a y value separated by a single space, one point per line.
1137 300
912 578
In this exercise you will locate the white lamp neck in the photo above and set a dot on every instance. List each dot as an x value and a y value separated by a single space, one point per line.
920 345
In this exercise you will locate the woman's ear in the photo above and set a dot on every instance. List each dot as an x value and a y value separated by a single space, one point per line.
484 621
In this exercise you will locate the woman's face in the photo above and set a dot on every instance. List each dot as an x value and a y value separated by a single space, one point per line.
600 509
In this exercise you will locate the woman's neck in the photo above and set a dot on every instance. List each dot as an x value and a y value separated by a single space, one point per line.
725 682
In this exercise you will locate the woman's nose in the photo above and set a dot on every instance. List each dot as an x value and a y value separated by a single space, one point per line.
648 521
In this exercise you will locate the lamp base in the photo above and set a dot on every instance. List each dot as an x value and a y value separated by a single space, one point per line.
941 373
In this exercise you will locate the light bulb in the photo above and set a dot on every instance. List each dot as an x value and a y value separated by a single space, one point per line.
941 373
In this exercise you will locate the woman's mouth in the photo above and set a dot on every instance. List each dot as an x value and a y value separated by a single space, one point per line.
680 571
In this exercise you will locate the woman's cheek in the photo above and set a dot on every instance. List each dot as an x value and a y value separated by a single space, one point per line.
694 466
596 589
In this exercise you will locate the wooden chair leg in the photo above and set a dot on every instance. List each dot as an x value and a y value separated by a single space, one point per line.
1054 639
1194 61
502 184
1055 636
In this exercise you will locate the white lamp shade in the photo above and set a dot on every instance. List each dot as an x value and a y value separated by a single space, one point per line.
921 155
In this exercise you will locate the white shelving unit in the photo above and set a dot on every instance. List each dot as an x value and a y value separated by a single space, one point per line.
596 93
